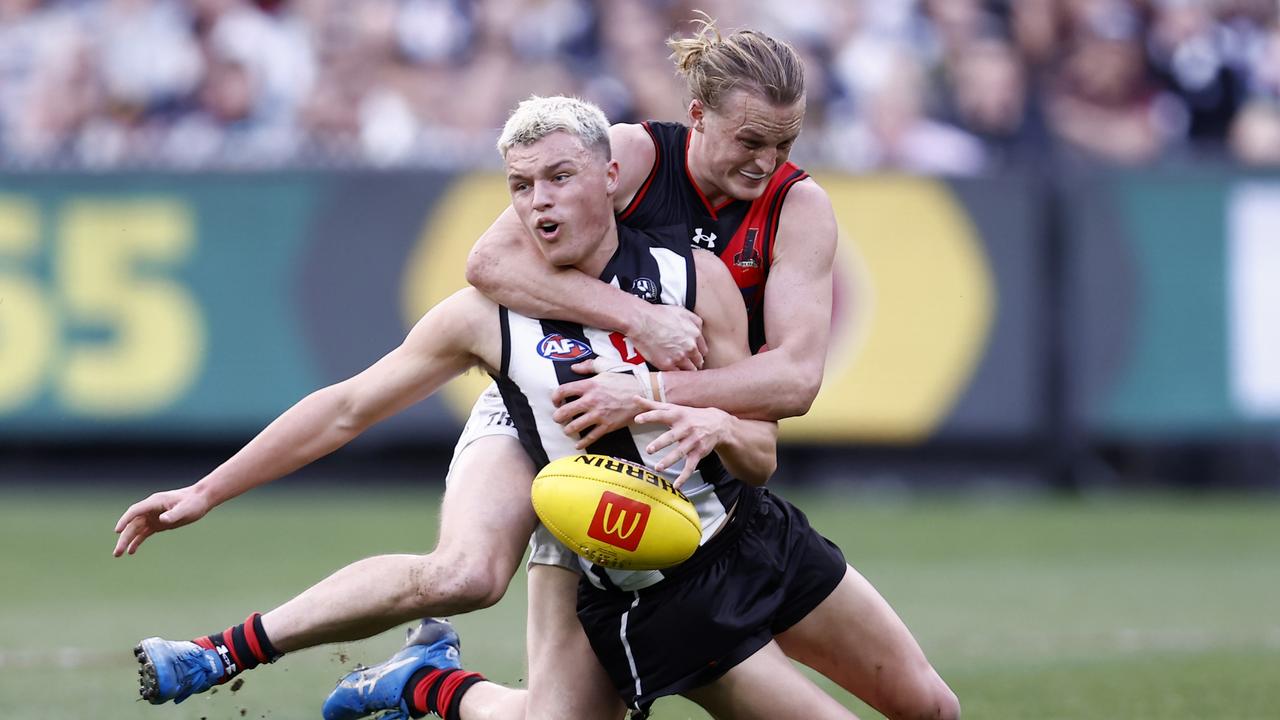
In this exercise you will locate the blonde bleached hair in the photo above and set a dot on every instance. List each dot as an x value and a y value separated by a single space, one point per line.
538 117
715 65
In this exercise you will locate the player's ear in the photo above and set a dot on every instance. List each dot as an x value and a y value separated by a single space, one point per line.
697 112
612 177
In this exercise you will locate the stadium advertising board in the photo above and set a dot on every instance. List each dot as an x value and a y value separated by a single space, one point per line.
190 306
1173 305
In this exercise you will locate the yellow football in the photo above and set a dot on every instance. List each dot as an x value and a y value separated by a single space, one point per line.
615 513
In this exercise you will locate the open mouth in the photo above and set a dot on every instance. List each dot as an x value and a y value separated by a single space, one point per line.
756 177
548 229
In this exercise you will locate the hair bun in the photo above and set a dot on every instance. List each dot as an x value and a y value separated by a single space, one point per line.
713 64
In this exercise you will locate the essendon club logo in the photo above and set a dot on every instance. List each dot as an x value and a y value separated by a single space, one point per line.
619 521
749 256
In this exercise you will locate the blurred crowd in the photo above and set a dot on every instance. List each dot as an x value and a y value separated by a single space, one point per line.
930 86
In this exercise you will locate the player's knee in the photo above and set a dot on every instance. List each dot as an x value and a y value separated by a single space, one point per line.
479 590
928 699
946 703
452 583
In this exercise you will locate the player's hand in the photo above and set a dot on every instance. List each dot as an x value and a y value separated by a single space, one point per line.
161 511
600 404
694 433
670 337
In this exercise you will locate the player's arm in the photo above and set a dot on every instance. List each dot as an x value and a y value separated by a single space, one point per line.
455 335
782 381
773 384
748 448
506 265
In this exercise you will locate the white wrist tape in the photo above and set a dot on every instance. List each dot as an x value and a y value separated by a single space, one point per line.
648 388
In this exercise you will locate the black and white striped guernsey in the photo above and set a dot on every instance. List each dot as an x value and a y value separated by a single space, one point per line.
656 265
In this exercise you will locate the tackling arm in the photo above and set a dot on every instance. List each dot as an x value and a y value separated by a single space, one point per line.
782 381
748 448
506 265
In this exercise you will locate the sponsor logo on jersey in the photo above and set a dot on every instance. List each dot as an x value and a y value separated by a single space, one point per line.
646 290
559 348
706 241
619 521
626 350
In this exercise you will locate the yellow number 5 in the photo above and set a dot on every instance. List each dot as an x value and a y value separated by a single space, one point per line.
111 333
156 337
27 327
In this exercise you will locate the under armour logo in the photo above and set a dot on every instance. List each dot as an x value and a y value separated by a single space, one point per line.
228 662
704 240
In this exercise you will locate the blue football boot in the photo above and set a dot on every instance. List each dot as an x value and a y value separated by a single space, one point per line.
364 691
175 669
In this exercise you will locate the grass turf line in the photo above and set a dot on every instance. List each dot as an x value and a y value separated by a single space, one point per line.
1150 606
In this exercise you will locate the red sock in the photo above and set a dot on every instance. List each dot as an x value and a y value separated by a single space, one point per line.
241 647
439 691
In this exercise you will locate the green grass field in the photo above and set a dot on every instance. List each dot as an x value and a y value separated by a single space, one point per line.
1147 607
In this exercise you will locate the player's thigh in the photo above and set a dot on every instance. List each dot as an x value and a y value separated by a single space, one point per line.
566 681
767 686
855 638
486 508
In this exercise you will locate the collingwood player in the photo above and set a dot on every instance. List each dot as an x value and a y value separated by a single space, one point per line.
562 178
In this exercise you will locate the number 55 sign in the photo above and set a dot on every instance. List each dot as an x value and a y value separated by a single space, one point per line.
89 310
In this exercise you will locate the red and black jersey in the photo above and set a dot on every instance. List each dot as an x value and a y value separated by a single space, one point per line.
740 232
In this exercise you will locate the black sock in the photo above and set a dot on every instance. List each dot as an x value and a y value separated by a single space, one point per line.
241 647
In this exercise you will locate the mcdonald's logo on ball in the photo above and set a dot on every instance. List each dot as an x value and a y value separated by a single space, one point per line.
619 521
616 514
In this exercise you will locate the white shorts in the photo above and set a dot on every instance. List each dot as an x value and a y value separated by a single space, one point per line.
489 417
545 549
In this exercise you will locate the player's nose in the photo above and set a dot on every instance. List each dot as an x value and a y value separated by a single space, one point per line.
767 160
542 196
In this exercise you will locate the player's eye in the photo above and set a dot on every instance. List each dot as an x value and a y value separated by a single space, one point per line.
561 177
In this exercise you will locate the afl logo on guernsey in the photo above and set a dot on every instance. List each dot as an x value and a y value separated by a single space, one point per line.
559 348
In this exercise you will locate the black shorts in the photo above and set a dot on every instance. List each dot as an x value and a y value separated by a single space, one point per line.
764 572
